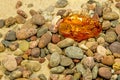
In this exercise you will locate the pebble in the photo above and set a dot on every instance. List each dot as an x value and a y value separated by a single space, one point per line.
18 60
54 48
83 46
68 77
53 28
42 30
5 43
115 47
22 13
65 43
57 70
13 46
42 77
32 12
87 75
55 20
110 16
2 23
45 39
15 74
24 45
88 62
95 72
117 29
35 52
2 47
114 23
74 52
65 61
54 76
18 4
110 36
1 35
25 33
106 25
117 5
108 60
116 66
101 50
105 72
20 19
114 77
10 21
55 38
99 10
10 36
118 77
77 76
68 71
18 52
33 44
54 59
80 68
42 60
89 53
30 5
38 19
10 63
43 53
63 12
101 40
61 3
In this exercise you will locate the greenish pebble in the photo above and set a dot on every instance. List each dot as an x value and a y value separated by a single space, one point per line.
18 52
77 76
15 74
57 70
42 77
80 68
118 77
24 45
6 43
94 72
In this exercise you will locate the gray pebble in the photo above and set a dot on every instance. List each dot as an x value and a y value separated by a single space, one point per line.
61 3
6 43
74 52
57 70
35 52
2 23
42 77
42 53
54 59
65 43
114 23
10 36
65 61
110 16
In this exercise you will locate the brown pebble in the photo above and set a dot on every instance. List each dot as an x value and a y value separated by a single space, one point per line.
18 4
117 5
19 60
42 60
117 72
117 29
10 21
55 38
13 46
33 38
30 5
28 52
76 60
35 52
32 12
22 13
98 57
2 23
20 19
117 0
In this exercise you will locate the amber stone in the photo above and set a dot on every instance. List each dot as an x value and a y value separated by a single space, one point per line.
79 27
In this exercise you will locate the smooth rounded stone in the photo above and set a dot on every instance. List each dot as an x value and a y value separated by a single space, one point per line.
61 3
55 38
115 47
68 71
94 72
101 50
53 28
54 76
18 52
6 43
89 53
108 60
54 48
114 23
117 29
45 39
32 12
57 70
33 44
99 10
116 66
88 62
18 4
10 63
110 36
31 65
24 45
15 74
83 46
43 53
54 59
35 52
87 75
10 36
2 47
80 68
91 44
77 76
110 16
74 52
13 46
114 77
106 25
42 30
100 40
2 23
20 19
38 19
65 43
105 72
117 5
68 77
42 77
65 61
10 21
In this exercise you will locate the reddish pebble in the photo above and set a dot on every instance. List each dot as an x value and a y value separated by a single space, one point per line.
19 60
33 38
42 60
55 38
28 52
22 13
76 60
117 72
117 29
32 12
118 5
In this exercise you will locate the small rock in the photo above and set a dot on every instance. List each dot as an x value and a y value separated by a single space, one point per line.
38 19
88 62
83 46
117 29
74 52
114 23
10 36
87 75
98 57
6 43
101 40
30 5
99 10
110 36
35 52
77 76
54 59
89 53
106 25
54 76
117 5
114 77
110 16
57 70
53 28
54 48
94 72
45 39
63 12
42 30
2 23
18 4
108 60
2 47
32 12
55 38
24 45
115 47
80 68
68 71
42 77
68 77
116 66
15 74
61 3
10 63
65 61
43 53
42 60
10 21
105 72
18 60
107 10
13 46
22 13
65 43
20 19
101 50
18 52
55 20
33 44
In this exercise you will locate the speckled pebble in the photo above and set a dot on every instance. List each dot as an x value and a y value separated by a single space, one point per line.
33 44
10 36
110 16
106 25
13 46
57 70
24 45
55 38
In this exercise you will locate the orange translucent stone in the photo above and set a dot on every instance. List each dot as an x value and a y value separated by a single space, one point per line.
79 27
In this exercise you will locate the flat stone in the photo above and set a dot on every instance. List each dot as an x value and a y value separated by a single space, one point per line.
58 69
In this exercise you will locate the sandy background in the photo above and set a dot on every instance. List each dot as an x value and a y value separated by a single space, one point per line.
7 9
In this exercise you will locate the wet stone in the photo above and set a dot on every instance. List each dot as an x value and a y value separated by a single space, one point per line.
10 36
2 23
